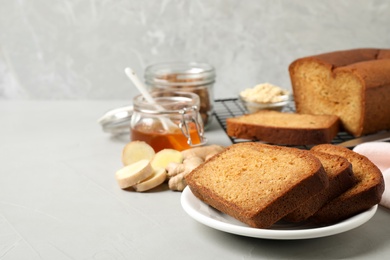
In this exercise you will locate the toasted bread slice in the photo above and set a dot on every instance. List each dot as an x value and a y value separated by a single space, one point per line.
284 128
258 184
341 178
366 193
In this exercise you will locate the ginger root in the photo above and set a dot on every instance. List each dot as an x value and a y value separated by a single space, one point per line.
203 152
192 158
177 172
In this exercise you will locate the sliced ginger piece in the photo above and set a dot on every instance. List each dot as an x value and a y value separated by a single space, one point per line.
136 151
165 157
158 177
134 173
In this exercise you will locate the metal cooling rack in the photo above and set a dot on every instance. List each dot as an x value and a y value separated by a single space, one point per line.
226 108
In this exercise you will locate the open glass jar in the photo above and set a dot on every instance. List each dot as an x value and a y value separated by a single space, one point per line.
172 122
193 77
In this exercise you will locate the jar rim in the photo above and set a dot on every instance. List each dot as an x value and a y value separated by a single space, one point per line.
171 101
185 74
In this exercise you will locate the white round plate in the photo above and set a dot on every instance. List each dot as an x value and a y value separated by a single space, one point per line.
211 217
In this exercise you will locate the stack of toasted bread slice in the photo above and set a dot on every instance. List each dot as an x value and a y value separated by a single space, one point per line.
261 184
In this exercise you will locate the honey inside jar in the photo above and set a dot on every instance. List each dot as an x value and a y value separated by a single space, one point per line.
172 121
160 140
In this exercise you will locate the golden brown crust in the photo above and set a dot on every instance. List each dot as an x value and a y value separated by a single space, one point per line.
366 193
284 128
346 57
352 84
258 184
384 54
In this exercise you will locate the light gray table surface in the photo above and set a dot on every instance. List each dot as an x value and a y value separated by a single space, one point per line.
59 199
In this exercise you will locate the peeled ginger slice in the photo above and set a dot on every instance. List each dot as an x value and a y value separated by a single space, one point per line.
165 157
134 173
136 151
157 178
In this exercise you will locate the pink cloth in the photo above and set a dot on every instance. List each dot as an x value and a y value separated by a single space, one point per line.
379 154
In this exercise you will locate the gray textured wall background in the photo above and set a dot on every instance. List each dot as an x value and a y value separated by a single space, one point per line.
77 49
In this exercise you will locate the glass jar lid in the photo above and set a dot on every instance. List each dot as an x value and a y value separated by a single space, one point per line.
117 121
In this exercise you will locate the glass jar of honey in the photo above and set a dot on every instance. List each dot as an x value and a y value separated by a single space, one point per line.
193 77
173 121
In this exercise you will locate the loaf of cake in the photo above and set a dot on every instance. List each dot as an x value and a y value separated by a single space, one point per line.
366 193
352 84
341 178
284 128
258 184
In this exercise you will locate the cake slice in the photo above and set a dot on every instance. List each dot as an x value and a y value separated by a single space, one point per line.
366 193
341 178
258 184
284 128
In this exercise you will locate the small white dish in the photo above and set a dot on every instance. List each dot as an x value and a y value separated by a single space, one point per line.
213 218
253 107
